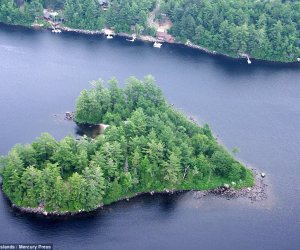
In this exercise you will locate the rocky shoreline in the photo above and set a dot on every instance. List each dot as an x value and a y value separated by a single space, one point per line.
256 193
41 211
148 38
153 39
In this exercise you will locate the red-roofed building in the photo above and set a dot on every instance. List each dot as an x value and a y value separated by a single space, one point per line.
162 35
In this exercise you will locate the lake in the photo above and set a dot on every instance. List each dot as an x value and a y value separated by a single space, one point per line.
253 107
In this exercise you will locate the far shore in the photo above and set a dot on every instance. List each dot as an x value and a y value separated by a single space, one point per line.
151 39
148 38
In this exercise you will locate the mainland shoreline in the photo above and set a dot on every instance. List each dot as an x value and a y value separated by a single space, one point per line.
149 39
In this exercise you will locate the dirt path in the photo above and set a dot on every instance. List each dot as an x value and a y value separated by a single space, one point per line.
155 24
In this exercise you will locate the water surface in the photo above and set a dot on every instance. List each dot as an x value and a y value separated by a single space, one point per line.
253 107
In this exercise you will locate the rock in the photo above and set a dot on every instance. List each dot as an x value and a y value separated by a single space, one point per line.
152 192
249 189
45 213
263 175
226 186
233 183
69 115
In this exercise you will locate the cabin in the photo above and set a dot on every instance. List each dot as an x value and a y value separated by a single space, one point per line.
51 16
162 35
104 4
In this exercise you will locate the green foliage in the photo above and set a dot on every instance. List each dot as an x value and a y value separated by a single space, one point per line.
152 147
113 105
264 29
129 16
124 16
83 14
53 4
12 14
267 30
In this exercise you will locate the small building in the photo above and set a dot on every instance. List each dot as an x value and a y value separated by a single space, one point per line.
104 4
46 14
50 15
162 35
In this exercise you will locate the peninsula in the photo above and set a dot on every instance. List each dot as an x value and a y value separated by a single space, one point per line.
148 146
267 30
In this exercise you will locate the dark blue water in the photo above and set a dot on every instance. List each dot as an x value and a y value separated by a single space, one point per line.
253 107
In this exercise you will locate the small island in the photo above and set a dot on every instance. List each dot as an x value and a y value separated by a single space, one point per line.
147 146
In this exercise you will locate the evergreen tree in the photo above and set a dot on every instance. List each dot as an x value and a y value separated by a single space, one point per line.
154 148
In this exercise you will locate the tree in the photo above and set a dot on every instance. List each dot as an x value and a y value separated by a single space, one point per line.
156 147
28 183
46 186
44 147
65 156
204 167
94 186
60 195
82 107
35 9
155 153
137 123
222 163
11 186
171 170
126 181
27 154
77 192
82 160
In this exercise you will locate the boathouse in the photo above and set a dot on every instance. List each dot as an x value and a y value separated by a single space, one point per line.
162 35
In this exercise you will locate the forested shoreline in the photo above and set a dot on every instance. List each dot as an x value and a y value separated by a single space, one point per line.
268 30
148 147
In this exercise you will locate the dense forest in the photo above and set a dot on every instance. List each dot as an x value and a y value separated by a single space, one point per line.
124 16
149 146
264 29
22 13
267 30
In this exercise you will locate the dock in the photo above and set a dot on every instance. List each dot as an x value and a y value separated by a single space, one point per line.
132 39
157 45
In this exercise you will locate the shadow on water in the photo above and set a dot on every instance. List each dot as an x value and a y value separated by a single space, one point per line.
169 202
88 130
166 203
233 67
256 112
230 66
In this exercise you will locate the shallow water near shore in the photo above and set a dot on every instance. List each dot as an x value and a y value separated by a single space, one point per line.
253 107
